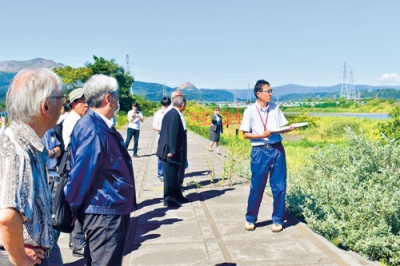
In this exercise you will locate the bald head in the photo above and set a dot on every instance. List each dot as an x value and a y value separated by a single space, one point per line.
175 93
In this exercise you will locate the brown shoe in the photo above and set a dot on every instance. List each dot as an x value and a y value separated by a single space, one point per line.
276 228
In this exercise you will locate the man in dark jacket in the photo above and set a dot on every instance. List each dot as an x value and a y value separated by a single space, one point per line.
172 150
101 189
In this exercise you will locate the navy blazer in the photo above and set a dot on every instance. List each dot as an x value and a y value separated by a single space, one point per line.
172 138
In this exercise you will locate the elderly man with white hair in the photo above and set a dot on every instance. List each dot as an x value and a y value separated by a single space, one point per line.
33 101
101 188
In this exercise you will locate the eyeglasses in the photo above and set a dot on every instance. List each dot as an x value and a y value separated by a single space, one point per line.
267 91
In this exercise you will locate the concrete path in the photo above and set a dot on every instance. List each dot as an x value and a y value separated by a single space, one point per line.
210 229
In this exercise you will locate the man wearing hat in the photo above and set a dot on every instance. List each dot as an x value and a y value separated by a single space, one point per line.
79 108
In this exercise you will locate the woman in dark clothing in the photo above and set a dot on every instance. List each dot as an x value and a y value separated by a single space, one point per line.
215 129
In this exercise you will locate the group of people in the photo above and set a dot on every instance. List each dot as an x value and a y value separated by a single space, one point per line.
101 188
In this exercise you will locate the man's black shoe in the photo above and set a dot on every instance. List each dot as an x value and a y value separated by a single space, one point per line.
183 199
172 203
78 252
135 155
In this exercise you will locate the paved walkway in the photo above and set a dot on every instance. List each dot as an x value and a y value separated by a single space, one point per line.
210 229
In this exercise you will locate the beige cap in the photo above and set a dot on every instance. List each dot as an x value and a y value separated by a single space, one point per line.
75 94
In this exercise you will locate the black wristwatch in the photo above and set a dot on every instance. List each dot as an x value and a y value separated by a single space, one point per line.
53 153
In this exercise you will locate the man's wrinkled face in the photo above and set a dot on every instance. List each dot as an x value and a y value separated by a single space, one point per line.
80 106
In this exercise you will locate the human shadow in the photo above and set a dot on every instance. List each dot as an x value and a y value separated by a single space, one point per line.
140 227
147 155
198 173
79 262
226 264
289 221
203 183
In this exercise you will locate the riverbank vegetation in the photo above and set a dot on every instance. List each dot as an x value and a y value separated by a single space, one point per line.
343 177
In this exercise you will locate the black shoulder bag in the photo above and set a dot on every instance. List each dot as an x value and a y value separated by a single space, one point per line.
61 212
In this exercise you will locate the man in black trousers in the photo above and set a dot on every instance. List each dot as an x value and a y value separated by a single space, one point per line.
172 150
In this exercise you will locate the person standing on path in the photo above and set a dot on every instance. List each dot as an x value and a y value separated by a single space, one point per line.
157 122
172 150
33 101
101 186
52 145
216 129
79 108
134 118
267 155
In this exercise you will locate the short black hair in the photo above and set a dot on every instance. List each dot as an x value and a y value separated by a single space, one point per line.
258 86
67 106
135 104
165 101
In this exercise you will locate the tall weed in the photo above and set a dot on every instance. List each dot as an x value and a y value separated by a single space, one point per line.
350 194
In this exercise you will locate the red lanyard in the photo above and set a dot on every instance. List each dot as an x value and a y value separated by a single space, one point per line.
266 118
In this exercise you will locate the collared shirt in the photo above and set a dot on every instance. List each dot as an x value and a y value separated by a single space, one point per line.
182 118
50 141
135 124
182 114
68 126
2 129
109 123
255 117
158 116
24 185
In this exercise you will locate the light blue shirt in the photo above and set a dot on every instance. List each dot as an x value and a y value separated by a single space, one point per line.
50 141
254 118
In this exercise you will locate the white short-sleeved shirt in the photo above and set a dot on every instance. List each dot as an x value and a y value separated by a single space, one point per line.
135 124
68 126
255 117
158 116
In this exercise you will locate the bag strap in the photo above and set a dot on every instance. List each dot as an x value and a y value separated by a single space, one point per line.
65 157
63 161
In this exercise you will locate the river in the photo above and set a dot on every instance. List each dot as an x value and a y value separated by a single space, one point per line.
358 115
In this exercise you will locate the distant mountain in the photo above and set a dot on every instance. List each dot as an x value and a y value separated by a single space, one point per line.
15 66
186 86
155 91
299 92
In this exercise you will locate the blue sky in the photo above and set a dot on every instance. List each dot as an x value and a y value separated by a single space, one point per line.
213 43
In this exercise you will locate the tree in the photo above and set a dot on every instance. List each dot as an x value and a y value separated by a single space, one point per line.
391 128
73 76
112 69
76 76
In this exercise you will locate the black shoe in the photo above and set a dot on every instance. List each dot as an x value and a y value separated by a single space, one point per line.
78 252
183 200
172 203
135 155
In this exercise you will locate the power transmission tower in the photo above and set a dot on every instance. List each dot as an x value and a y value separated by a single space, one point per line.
348 90
128 71
164 92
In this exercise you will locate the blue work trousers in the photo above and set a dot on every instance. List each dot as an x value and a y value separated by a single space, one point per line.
267 162
160 170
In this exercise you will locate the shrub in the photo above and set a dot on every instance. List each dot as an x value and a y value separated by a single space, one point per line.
350 194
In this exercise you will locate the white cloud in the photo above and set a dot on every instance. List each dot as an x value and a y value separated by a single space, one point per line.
389 77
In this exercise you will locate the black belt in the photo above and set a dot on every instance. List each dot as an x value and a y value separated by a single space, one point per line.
46 252
270 146
52 169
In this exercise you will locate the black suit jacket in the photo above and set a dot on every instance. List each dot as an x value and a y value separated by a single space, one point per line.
172 138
